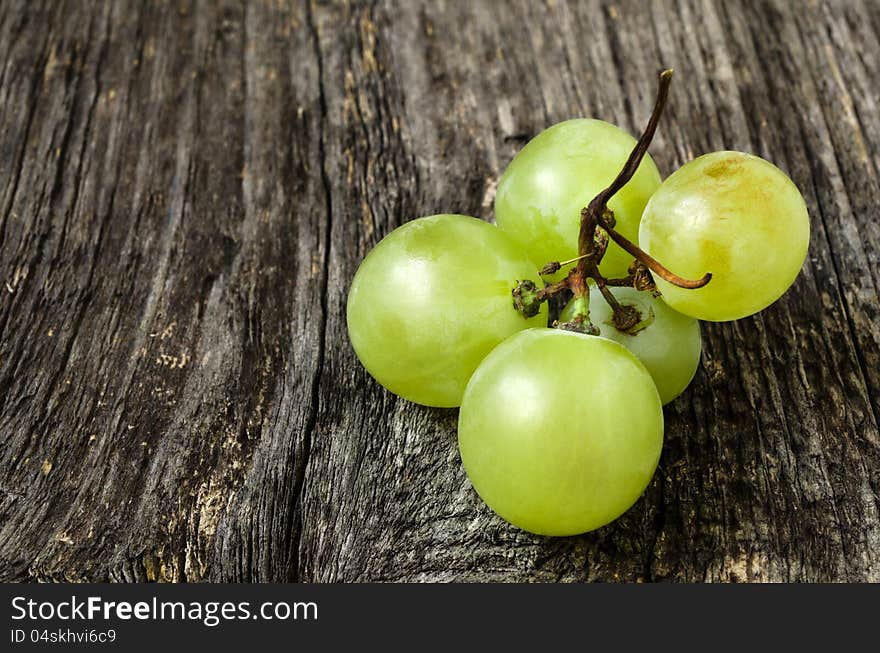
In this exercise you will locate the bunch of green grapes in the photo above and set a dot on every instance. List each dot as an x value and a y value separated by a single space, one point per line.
560 429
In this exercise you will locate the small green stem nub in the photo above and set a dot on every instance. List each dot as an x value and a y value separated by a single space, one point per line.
579 320
527 298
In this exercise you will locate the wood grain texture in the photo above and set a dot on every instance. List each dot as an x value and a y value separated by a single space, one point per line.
187 188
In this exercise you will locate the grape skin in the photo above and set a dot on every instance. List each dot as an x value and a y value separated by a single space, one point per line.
431 300
734 215
560 433
670 346
542 191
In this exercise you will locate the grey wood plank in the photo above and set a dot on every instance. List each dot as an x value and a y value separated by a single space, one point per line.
186 190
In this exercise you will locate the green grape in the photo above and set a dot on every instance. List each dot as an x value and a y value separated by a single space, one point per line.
560 432
542 191
431 300
669 344
734 215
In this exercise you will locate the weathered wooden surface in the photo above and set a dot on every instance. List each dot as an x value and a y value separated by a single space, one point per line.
186 190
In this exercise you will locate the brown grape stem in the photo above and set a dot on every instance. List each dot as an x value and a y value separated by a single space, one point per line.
597 227
653 264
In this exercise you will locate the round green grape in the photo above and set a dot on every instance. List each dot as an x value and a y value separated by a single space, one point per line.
560 433
431 300
542 191
668 344
734 215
